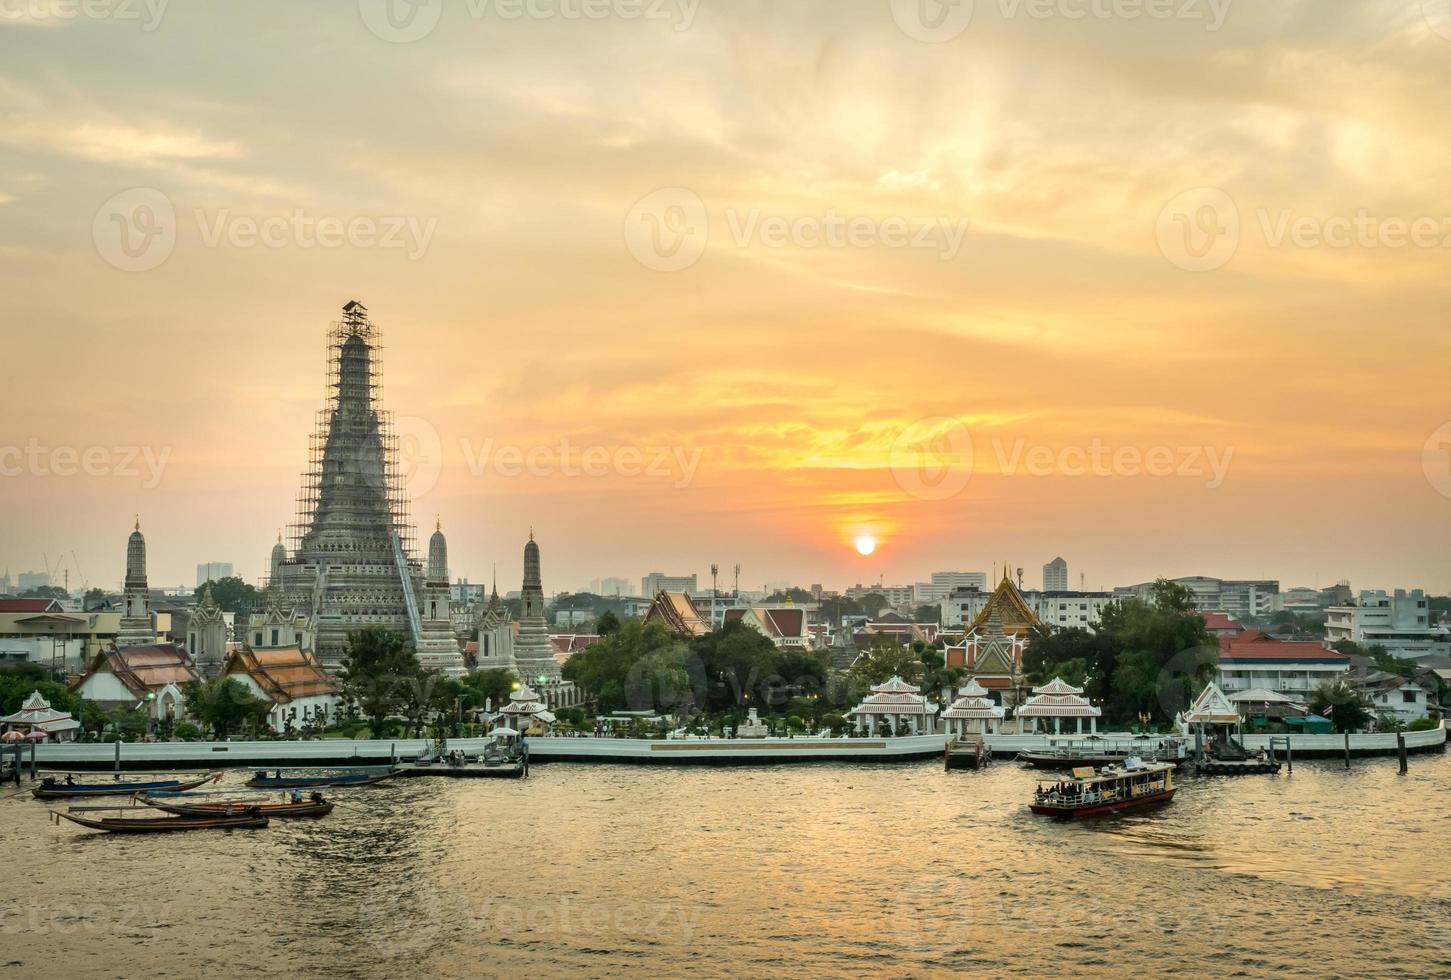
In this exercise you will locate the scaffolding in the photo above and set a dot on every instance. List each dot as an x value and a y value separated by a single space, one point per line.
354 482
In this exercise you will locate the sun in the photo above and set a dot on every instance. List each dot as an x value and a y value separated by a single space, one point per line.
866 544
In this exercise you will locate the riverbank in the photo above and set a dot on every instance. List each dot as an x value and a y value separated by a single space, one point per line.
181 756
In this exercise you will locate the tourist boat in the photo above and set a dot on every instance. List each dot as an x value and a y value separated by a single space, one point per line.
49 789
1113 788
318 807
1076 755
261 780
154 825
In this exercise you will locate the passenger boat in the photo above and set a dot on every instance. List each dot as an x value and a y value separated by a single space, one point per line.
261 780
1090 792
154 825
316 807
49 789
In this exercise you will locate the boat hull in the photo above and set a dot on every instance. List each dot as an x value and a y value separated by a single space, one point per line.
149 825
315 782
1096 809
63 792
1058 763
285 810
504 771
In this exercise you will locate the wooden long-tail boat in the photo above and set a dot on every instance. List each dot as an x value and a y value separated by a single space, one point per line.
261 780
307 808
49 789
154 825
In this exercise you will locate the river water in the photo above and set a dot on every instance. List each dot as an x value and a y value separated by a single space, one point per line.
793 871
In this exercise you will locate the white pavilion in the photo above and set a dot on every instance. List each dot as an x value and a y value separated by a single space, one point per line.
1058 700
37 720
526 711
973 713
898 701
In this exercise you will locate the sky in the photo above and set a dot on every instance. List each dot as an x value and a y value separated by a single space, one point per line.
1155 286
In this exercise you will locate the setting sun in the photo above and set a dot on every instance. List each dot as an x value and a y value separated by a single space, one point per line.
866 544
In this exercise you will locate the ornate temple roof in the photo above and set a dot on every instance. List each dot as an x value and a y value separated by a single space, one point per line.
1058 699
679 614
36 713
1012 610
285 674
143 669
1212 708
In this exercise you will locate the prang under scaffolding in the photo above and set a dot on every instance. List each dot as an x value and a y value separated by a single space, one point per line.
352 545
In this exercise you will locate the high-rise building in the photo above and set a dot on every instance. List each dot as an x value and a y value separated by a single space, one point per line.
213 571
1055 576
1399 621
352 562
32 580
943 584
657 582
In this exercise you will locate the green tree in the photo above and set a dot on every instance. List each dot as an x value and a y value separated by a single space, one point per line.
45 592
492 685
876 665
224 704
94 599
607 624
232 594
376 672
930 613
1342 704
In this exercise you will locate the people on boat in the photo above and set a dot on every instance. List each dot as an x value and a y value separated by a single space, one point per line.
316 796
297 796
70 780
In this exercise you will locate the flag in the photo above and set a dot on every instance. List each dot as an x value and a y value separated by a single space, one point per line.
1329 710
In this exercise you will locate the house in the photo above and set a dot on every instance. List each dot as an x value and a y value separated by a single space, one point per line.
148 677
567 645
291 680
1392 694
1254 661
1219 624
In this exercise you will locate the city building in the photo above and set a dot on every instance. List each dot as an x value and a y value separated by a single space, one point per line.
1254 661
213 571
1055 576
610 586
1400 622
714 606
1403 699
1240 598
465 593
895 595
1061 609
292 681
657 582
32 580
944 584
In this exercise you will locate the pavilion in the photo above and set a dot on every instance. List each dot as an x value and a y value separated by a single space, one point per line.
1058 700
38 720
525 711
900 703
973 713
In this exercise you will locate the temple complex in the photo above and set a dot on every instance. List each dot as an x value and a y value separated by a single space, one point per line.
973 713
992 657
899 703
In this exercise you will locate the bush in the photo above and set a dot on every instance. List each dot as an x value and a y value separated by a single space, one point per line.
187 732
1422 725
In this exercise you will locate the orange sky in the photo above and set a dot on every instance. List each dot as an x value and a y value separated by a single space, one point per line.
784 381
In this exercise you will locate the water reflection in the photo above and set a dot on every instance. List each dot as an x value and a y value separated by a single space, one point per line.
823 869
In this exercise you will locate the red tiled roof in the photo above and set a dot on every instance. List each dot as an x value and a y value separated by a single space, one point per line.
1264 649
1216 622
29 605
284 674
144 669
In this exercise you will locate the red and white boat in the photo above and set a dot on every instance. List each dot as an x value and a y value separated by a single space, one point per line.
1110 789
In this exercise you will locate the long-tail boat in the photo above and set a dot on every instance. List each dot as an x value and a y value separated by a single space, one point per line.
261 780
49 789
155 825
1091 792
316 807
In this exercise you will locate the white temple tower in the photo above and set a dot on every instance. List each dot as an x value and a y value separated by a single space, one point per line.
137 627
533 653
206 635
438 646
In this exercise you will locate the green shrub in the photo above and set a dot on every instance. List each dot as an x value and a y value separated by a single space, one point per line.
1422 725
187 732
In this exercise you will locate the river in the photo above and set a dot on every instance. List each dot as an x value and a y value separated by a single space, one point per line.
604 870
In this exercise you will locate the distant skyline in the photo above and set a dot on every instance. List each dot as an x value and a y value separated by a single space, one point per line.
745 265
